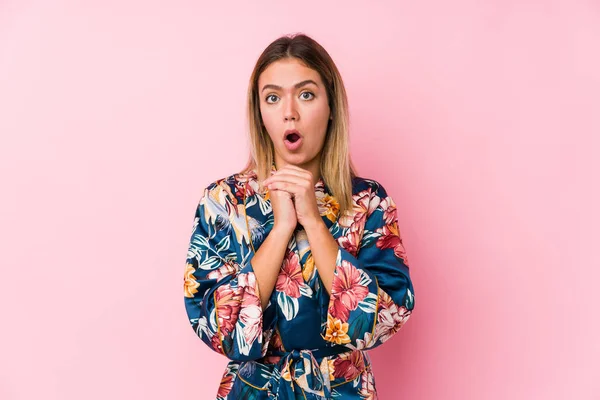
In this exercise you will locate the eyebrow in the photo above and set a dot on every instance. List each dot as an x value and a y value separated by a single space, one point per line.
297 85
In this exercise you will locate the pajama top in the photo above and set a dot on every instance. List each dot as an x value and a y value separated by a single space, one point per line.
306 344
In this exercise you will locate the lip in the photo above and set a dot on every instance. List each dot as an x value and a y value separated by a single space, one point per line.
289 145
287 132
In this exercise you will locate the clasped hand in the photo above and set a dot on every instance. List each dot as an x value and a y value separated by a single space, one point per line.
293 198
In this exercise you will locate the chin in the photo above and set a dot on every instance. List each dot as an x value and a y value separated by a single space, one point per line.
297 159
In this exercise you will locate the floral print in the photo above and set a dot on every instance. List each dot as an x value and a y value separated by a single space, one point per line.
305 343
290 278
190 286
349 366
227 304
328 206
367 389
346 291
337 331
390 318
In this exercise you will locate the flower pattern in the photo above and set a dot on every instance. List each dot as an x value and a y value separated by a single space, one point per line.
228 268
290 278
190 286
227 304
346 291
337 331
390 236
349 366
351 241
390 318
250 308
328 206
370 301
367 389
225 386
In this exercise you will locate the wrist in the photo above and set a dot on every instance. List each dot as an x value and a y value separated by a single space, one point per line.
282 231
315 226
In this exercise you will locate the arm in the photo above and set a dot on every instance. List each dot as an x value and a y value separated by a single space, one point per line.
372 293
222 296
324 249
267 262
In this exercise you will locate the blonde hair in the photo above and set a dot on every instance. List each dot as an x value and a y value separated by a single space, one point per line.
336 166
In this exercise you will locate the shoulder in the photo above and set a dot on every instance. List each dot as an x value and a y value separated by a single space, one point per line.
232 180
230 188
370 185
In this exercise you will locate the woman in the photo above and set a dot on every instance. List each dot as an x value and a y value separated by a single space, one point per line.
295 265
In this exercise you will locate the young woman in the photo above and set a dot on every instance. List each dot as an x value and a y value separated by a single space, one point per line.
296 265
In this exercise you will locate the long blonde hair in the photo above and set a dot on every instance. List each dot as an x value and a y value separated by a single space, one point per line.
336 166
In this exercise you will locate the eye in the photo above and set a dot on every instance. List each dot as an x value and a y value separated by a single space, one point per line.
269 97
305 98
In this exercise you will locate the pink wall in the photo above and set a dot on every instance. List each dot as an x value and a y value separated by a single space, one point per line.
481 118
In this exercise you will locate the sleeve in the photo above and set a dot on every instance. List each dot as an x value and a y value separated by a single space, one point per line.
372 294
221 293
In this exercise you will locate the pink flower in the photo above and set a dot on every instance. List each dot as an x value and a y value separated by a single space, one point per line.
224 270
228 307
390 234
349 365
226 382
251 310
225 386
390 318
251 317
390 239
290 276
364 203
360 203
390 214
247 283
365 342
367 383
240 302
346 291
351 241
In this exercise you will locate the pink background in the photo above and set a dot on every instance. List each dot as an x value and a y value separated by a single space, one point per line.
480 118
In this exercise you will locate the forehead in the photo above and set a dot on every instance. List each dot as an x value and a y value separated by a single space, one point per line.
287 72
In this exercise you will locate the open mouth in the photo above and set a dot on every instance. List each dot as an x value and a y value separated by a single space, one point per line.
292 137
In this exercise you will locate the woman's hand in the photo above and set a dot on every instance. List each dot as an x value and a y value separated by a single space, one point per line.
284 213
298 184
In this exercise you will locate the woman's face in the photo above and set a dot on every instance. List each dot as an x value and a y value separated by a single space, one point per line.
293 98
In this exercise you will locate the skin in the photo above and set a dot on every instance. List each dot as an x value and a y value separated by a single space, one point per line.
284 106
293 96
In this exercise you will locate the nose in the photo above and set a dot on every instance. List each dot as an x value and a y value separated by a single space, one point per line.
290 113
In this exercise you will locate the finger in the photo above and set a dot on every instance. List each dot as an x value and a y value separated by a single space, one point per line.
276 193
294 170
289 187
286 176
